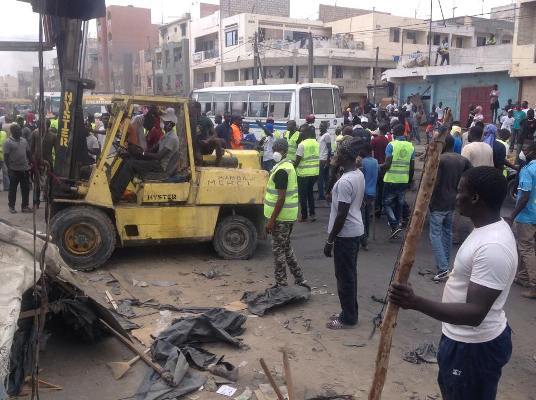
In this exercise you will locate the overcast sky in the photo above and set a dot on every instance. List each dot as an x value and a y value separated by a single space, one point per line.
20 23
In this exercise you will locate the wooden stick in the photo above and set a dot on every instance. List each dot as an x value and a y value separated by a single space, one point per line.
288 376
111 299
406 261
166 375
271 380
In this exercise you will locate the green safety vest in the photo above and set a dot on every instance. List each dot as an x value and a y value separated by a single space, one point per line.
277 134
292 140
309 164
399 171
54 123
289 212
3 138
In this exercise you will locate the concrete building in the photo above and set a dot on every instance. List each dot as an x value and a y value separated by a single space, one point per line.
524 50
279 8
507 12
172 59
121 34
9 86
25 79
144 73
92 59
328 13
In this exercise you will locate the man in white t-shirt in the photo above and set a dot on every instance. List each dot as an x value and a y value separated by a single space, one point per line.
344 229
324 155
476 341
507 121
477 152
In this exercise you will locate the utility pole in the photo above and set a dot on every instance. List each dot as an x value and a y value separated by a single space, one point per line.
430 35
310 63
255 55
375 73
453 11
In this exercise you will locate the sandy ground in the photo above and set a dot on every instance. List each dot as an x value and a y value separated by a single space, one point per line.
322 361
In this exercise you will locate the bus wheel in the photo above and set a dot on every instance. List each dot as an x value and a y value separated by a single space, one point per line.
85 237
235 238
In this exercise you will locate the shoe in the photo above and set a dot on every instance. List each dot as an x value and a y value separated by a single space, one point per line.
12 210
303 283
26 210
313 218
443 275
529 294
395 232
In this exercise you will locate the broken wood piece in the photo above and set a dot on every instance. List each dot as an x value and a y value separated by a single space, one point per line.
122 282
120 368
288 376
271 380
166 375
111 300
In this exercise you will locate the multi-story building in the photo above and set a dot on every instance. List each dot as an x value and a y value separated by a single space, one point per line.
144 73
9 86
524 50
121 35
25 79
172 58
92 59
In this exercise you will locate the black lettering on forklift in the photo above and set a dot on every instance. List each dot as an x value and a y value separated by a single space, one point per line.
161 197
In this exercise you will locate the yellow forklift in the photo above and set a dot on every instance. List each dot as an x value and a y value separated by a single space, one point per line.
222 204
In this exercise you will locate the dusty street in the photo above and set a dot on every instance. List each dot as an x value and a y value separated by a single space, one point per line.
323 361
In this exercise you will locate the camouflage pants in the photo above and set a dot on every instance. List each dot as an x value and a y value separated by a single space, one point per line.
283 254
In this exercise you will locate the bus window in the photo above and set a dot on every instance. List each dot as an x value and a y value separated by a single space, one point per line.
337 100
258 105
239 103
280 105
205 99
323 101
221 103
306 106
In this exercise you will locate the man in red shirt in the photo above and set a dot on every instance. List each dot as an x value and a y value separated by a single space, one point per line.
379 143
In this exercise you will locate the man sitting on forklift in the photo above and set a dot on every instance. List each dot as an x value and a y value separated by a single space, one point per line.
163 163
205 139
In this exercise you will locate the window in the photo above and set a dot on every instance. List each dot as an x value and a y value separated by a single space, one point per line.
291 72
280 105
166 57
231 38
168 82
506 40
459 42
319 71
221 103
394 34
437 39
323 101
258 104
159 84
178 81
159 60
183 29
337 72
231 75
480 41
205 99
149 82
411 36
306 105
239 103
177 54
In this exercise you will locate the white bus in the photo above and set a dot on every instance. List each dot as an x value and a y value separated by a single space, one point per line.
281 102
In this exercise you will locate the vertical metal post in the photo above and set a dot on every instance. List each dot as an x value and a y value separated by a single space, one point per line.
375 74
255 55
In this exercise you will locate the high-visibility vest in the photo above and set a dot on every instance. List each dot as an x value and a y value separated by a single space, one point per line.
309 164
289 212
399 171
278 134
3 138
292 140
54 123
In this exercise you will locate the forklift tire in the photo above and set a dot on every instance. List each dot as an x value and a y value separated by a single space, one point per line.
85 237
235 238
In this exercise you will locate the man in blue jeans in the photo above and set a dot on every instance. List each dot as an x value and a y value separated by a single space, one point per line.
399 167
476 342
451 167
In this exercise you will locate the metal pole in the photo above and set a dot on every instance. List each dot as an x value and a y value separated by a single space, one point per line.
430 35
255 55
375 74
310 60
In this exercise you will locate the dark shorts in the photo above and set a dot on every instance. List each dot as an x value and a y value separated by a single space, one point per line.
471 371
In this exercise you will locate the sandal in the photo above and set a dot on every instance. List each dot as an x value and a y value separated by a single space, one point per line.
337 324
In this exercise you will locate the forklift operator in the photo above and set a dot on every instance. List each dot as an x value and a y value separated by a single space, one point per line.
163 162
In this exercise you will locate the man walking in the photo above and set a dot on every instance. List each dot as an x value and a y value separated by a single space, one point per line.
307 169
16 157
399 167
476 341
281 210
524 215
344 229
451 167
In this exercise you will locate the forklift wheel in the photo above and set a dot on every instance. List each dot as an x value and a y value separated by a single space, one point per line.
235 238
85 237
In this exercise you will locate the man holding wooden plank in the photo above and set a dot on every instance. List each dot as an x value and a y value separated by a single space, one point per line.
476 341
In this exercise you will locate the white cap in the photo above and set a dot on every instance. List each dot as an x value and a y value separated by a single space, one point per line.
170 116
364 119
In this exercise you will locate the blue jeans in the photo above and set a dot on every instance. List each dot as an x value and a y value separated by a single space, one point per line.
441 237
393 201
471 371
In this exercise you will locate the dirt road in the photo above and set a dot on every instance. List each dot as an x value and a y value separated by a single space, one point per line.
323 361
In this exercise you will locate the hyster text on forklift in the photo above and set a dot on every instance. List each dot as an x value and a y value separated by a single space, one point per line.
205 202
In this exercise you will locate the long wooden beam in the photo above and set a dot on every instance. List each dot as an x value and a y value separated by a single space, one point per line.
10 45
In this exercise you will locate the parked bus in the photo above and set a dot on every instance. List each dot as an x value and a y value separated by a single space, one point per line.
96 103
14 105
52 103
281 102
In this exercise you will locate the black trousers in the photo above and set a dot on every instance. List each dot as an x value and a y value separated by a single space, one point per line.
127 171
345 252
16 178
305 193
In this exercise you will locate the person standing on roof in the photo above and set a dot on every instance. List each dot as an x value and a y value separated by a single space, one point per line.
308 169
281 210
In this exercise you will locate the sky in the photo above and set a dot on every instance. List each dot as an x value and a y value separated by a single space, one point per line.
20 23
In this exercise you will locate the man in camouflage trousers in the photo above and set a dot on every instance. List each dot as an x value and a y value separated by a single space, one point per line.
281 210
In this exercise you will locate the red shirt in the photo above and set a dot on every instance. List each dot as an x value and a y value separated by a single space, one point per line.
379 143
154 135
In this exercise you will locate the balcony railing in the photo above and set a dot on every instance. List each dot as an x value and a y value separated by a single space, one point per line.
201 56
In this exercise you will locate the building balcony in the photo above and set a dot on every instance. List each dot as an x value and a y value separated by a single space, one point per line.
201 56
351 85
